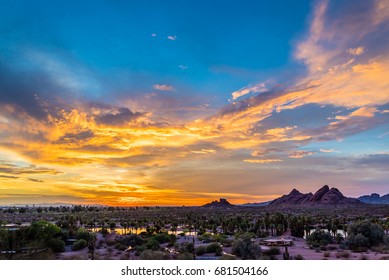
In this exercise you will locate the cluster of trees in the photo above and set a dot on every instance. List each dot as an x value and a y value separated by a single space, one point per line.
38 236
361 235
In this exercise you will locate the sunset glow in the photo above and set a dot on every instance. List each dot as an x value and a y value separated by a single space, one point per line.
165 103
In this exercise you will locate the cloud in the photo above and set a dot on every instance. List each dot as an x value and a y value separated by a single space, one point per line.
300 154
35 180
374 160
76 137
327 150
117 117
252 88
163 87
259 153
172 37
153 35
8 177
357 51
183 67
262 161
9 168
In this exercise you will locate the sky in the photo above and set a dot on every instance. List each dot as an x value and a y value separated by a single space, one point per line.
133 103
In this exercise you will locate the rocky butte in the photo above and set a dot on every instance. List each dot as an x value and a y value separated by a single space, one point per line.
324 196
222 203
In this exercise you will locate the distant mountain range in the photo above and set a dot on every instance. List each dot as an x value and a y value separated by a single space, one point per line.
324 196
374 198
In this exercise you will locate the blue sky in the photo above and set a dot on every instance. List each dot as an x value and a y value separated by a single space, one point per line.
191 99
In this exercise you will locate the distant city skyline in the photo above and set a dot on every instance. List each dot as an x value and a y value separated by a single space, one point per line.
132 103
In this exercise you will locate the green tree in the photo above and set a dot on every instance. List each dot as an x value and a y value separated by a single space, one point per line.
245 248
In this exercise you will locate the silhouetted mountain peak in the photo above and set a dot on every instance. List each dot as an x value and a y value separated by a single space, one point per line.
295 192
222 203
374 198
323 196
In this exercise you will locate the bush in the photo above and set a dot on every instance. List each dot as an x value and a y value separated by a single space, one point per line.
132 240
273 251
319 238
120 246
386 239
152 244
82 234
162 238
343 255
153 255
185 256
358 243
213 248
79 244
374 234
186 247
299 257
244 248
56 245
206 237
201 250
327 254
339 238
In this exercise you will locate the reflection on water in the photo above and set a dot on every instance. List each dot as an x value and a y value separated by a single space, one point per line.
339 231
123 231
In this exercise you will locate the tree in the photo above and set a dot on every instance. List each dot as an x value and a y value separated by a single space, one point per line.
319 238
244 248
364 234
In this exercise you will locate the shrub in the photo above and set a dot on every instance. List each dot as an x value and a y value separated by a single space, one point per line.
152 244
201 250
386 239
343 255
79 244
319 238
374 234
339 238
153 255
120 246
273 251
82 234
299 257
357 243
327 254
244 248
186 247
132 240
213 248
162 238
185 256
57 245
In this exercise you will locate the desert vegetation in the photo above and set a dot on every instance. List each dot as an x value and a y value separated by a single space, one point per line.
92 232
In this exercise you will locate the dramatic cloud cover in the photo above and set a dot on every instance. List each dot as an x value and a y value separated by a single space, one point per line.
105 114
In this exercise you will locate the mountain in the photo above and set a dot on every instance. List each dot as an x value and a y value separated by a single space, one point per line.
222 203
374 198
323 196
294 197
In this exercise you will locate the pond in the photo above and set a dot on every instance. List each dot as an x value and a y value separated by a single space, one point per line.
122 231
339 231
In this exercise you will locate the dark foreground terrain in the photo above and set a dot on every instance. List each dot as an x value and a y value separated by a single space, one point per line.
282 231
